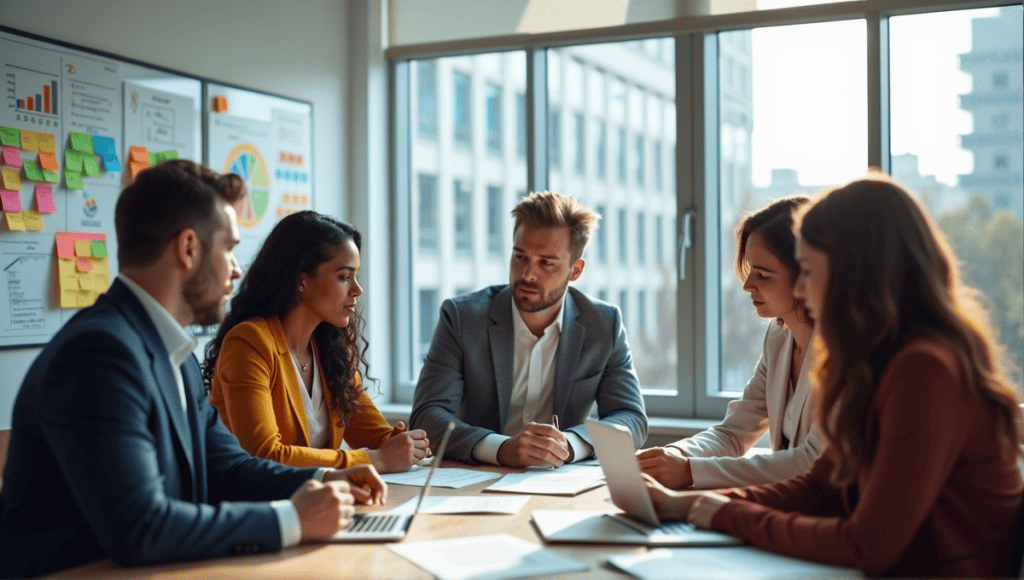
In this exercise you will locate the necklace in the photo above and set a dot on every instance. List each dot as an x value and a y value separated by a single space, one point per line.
304 366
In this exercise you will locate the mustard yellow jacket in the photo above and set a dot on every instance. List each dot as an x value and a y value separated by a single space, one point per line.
256 390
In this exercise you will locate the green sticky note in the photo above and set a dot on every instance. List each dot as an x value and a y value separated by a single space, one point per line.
32 171
81 142
50 176
99 249
171 154
72 160
91 165
10 136
73 179
154 158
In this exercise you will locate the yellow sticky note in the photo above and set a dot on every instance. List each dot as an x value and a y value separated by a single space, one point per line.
12 179
101 266
101 282
33 220
47 144
66 273
87 282
29 140
15 222
87 298
68 298
83 248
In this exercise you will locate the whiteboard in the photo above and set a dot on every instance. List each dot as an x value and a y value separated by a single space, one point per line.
268 140
52 88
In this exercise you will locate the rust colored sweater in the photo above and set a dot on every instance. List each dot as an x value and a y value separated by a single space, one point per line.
935 500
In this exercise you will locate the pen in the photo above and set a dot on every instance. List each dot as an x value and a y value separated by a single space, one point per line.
554 421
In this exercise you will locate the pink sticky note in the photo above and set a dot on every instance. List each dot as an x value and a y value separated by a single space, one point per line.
12 156
44 198
83 265
65 247
11 201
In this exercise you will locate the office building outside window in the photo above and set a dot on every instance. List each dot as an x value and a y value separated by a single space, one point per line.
554 139
496 225
427 99
461 89
463 218
623 239
641 238
580 144
520 125
600 141
428 213
494 118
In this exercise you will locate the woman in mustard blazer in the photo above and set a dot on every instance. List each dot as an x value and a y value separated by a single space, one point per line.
283 369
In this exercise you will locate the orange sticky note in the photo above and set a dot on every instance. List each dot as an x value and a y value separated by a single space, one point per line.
15 222
220 104
33 221
83 249
47 144
29 140
138 154
135 168
83 265
48 161
12 179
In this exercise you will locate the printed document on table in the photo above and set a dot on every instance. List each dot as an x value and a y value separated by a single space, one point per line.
566 480
723 564
451 477
497 557
454 504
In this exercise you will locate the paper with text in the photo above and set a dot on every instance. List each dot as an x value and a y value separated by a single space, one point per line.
494 557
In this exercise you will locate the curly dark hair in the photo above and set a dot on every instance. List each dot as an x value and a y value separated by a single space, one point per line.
298 245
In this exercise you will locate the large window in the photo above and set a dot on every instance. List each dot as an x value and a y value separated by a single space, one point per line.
765 109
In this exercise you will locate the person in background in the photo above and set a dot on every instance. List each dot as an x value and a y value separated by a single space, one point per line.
283 368
114 450
919 476
777 398
507 360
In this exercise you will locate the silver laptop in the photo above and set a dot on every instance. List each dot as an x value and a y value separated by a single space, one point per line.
390 526
614 447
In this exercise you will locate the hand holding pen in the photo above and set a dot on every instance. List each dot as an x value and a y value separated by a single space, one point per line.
536 445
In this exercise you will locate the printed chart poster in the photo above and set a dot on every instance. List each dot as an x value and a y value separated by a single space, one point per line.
267 141
159 121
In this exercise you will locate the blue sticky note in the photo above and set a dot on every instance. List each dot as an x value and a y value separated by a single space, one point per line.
110 163
104 145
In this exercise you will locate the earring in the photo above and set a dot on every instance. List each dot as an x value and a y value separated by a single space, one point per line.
301 288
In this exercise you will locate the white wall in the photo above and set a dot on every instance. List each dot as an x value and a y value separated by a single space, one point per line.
297 48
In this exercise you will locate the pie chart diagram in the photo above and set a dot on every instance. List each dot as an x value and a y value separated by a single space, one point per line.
247 162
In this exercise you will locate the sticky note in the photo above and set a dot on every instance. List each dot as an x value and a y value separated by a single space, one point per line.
111 163
32 171
47 143
68 298
10 201
65 246
87 298
91 165
102 281
29 140
12 179
136 168
101 267
12 156
104 146
99 248
73 179
138 154
15 222
80 141
170 154
50 176
83 248
48 161
72 160
83 265
44 198
65 270
86 283
10 136
33 221
154 158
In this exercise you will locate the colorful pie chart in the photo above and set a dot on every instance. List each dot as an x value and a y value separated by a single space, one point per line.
247 162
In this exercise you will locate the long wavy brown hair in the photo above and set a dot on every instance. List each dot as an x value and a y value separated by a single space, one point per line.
892 277
298 245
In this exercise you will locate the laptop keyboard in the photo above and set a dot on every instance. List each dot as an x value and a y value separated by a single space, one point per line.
676 528
370 524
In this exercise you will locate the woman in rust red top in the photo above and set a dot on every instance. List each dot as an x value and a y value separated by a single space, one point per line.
919 476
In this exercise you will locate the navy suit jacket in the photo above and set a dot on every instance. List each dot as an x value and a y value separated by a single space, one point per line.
103 463
467 375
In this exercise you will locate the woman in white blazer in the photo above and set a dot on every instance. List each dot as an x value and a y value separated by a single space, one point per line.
777 398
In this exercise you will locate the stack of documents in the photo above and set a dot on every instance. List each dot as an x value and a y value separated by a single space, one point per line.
457 504
566 480
494 557
451 477
723 563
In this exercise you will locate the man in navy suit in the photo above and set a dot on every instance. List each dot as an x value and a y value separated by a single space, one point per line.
115 450
506 360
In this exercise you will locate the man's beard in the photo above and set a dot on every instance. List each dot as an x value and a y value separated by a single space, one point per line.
556 296
201 296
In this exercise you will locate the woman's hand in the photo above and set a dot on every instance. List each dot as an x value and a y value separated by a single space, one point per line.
401 450
670 505
667 465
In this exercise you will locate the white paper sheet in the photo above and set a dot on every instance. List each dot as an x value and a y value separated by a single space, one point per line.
496 557
566 480
451 477
453 504
723 564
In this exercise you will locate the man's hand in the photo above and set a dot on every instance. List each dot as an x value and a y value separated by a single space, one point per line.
668 465
323 508
401 450
537 444
363 481
672 506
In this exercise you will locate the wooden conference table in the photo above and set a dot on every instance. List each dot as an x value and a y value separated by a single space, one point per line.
376 560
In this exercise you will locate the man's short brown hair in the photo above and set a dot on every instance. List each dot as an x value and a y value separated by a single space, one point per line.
550 209
165 199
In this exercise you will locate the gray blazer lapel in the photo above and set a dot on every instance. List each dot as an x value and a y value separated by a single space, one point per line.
570 343
777 387
502 346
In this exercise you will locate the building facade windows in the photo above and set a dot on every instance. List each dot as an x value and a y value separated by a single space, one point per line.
495 224
462 128
494 118
463 218
428 215
426 74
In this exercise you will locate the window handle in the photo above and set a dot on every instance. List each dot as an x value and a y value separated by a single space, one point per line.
685 240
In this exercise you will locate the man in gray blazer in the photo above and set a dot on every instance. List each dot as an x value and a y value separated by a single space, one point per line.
511 364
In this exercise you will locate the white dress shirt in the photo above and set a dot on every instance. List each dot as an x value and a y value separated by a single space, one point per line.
533 387
316 407
180 344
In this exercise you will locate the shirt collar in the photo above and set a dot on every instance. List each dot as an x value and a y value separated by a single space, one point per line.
178 341
519 325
